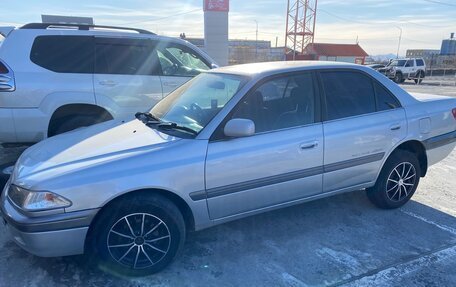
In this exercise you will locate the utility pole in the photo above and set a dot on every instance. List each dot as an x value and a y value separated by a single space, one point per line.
256 41
399 44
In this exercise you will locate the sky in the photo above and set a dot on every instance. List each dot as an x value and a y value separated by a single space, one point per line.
375 23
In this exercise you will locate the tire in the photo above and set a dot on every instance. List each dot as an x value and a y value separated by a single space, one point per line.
398 78
390 191
125 249
420 78
70 123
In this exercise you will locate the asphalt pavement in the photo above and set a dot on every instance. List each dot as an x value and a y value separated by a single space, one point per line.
338 241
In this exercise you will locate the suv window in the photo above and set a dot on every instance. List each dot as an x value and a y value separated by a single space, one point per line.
280 103
347 94
419 62
178 60
409 63
63 54
385 100
135 57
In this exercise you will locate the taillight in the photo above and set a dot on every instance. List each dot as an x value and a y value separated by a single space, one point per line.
454 113
7 83
3 69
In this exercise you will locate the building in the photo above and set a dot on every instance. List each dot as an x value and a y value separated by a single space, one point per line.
448 46
247 51
350 53
421 53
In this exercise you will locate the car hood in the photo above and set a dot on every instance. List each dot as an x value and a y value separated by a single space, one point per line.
87 147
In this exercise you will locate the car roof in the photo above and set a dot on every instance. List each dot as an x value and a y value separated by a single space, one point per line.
280 67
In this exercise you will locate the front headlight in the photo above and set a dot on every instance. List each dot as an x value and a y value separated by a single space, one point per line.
36 200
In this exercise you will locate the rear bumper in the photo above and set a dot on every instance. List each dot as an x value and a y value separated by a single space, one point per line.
52 235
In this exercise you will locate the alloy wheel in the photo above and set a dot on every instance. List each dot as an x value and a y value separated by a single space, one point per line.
401 181
139 240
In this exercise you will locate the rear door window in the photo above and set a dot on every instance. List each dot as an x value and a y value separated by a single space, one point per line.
347 94
125 57
385 100
419 62
64 54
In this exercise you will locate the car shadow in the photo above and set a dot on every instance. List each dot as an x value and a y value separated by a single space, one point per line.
317 243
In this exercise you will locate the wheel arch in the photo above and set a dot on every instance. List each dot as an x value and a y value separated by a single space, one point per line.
77 109
180 203
415 147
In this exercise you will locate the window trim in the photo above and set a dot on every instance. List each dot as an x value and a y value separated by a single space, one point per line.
215 137
324 111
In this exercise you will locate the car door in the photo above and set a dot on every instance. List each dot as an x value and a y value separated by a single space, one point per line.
410 68
179 63
281 163
363 122
126 78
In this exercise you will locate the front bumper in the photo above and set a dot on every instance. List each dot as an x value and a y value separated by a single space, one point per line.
53 235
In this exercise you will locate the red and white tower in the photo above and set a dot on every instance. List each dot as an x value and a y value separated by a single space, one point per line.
301 16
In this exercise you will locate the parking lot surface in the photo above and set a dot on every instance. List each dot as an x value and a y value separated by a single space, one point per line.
337 241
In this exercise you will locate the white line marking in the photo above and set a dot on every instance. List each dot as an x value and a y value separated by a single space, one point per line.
443 227
390 275
290 280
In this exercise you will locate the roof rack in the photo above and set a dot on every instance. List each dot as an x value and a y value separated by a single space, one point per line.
84 27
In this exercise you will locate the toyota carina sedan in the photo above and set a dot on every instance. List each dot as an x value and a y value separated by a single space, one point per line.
232 142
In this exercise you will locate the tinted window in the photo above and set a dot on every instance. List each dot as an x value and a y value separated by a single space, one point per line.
178 60
419 62
128 58
385 100
280 103
64 54
347 94
409 63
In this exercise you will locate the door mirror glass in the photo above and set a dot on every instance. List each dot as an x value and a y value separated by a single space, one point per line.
239 128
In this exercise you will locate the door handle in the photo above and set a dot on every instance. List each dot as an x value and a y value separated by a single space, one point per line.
308 145
107 83
395 127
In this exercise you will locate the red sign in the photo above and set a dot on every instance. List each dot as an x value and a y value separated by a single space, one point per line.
217 5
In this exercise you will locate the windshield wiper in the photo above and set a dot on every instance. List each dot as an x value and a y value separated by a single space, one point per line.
147 118
174 126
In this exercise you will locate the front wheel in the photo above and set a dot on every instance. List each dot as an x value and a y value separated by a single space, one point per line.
397 182
398 78
138 236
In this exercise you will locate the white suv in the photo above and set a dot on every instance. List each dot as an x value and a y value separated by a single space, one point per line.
400 70
59 77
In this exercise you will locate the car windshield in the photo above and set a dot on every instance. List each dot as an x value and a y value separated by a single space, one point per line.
397 63
194 104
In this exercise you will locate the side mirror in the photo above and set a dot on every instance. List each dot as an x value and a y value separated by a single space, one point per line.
239 128
214 66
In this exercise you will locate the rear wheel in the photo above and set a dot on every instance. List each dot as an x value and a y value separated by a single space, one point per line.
138 236
397 182
69 123
419 78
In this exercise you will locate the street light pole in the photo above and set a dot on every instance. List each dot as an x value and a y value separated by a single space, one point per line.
256 41
399 44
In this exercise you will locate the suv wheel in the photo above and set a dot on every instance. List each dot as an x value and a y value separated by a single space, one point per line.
397 182
398 78
138 237
420 78
70 123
